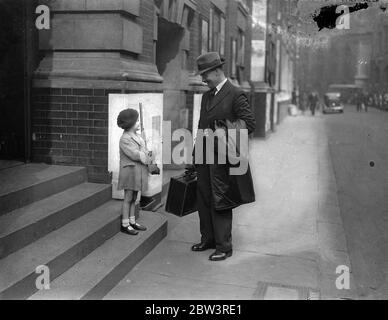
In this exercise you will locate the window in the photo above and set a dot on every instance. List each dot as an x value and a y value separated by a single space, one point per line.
380 42
241 48
204 37
222 37
211 30
217 31
386 38
234 59
155 33
187 19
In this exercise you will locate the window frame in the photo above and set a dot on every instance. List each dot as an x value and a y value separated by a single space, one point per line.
203 41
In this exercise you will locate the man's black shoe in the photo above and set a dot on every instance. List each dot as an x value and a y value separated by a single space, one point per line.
218 255
202 247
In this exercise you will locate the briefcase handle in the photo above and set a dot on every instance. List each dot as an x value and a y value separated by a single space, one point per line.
189 175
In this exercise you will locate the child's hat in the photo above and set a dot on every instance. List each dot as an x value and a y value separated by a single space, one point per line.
127 118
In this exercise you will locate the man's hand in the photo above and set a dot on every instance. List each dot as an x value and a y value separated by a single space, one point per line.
190 168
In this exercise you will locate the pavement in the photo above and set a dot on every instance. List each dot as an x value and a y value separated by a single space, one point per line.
320 204
6 164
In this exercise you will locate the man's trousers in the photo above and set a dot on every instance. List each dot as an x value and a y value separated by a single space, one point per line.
215 226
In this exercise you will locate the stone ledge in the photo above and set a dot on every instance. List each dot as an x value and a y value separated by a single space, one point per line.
96 66
130 6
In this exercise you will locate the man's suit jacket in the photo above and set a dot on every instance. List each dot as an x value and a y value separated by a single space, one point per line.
229 103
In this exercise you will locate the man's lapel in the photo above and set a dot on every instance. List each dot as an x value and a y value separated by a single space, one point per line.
220 95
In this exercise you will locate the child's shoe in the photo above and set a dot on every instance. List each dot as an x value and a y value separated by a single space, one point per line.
138 226
129 230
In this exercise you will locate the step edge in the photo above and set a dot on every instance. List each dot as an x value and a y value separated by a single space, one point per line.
80 169
59 208
77 176
63 213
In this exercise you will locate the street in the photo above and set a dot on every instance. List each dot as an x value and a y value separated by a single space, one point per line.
321 186
359 155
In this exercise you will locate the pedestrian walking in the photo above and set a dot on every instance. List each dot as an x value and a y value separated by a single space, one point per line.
359 98
218 192
313 102
385 100
367 102
304 102
133 174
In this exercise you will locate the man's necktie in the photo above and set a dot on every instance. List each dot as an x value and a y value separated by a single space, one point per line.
212 93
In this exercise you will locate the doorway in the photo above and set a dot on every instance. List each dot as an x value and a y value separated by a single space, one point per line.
15 36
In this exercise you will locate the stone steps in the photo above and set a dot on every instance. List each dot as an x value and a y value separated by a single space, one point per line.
22 185
71 227
59 250
29 223
98 273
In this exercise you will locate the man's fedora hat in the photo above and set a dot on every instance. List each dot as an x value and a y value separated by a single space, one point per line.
209 61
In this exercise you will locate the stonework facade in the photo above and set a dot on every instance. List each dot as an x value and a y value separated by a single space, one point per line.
95 48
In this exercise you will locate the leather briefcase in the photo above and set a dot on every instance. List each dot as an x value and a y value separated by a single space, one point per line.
182 194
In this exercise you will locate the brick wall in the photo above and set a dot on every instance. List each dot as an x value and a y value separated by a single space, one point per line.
70 127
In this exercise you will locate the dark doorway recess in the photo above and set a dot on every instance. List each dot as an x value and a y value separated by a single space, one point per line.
17 39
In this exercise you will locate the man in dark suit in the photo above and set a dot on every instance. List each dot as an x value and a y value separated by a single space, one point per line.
217 191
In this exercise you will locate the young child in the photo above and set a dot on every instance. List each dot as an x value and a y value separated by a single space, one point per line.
133 175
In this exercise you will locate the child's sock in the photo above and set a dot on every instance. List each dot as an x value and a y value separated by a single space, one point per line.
125 222
132 220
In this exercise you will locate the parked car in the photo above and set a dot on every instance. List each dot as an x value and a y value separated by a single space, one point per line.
332 103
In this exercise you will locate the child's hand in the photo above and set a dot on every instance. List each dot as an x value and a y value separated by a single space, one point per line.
145 158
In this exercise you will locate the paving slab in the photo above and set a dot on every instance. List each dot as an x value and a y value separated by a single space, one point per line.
140 284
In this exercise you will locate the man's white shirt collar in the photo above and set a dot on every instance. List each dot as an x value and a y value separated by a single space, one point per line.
220 85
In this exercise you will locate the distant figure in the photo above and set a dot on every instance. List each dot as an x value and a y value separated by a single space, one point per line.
359 100
294 97
367 101
304 102
313 101
385 100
